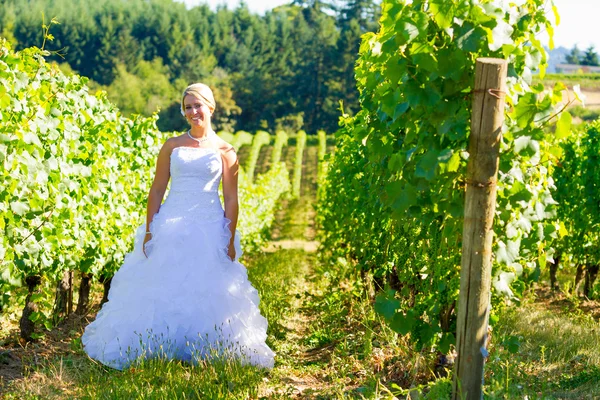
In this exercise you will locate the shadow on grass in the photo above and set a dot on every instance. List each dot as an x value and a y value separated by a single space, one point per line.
558 354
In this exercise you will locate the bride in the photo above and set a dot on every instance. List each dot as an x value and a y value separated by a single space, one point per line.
181 293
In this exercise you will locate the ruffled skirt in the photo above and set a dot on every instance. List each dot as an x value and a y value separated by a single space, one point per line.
188 300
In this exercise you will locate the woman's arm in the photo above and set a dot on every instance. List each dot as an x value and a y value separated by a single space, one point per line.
159 186
230 192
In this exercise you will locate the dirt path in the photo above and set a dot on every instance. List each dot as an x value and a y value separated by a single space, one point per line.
294 230
592 98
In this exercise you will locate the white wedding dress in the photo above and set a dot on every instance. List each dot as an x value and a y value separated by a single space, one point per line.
187 300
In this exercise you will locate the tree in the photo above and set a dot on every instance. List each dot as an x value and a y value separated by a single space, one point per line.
355 18
143 90
573 56
590 57
295 63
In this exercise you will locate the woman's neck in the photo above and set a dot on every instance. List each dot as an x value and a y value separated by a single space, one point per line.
200 131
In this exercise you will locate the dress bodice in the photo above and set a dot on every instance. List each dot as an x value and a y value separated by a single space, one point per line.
195 178
195 169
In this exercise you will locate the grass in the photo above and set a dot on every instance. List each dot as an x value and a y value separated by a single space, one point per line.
587 81
584 113
75 376
557 354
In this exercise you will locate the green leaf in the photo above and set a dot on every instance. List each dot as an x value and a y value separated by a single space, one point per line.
400 109
386 305
408 31
34 316
500 35
447 340
512 344
445 155
507 253
443 12
425 61
469 38
451 63
405 198
453 163
502 283
403 323
526 145
526 109
19 208
556 14
562 231
563 126
427 165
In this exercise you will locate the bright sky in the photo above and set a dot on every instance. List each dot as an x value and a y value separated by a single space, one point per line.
579 22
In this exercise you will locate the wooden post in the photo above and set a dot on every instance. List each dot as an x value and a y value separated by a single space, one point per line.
480 205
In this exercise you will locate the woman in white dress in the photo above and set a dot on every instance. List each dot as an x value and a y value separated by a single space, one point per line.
182 293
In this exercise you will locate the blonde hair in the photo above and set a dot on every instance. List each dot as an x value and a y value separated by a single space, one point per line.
201 92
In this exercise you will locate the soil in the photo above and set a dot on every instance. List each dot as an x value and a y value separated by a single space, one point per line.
560 302
592 98
18 358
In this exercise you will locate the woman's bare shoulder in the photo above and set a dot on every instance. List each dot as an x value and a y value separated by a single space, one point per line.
174 141
224 147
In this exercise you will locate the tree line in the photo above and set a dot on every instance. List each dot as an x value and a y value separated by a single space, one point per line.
287 69
588 57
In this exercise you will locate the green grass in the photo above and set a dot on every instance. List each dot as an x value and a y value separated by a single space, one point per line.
586 114
75 376
557 354
586 81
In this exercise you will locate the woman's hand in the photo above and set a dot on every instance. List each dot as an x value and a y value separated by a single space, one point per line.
231 251
147 238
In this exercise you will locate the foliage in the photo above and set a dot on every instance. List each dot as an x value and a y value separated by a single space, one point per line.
574 56
287 68
586 114
259 200
226 136
577 191
321 155
241 138
297 177
63 202
261 138
281 139
395 187
589 56
143 90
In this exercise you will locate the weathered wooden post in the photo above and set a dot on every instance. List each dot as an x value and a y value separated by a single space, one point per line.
480 205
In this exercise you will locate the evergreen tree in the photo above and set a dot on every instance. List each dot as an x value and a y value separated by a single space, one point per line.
356 17
573 56
291 66
590 57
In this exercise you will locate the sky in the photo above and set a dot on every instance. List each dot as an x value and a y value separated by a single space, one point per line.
579 19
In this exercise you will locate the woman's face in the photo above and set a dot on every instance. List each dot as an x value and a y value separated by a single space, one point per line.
196 111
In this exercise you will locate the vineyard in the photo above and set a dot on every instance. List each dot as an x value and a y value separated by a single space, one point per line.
352 239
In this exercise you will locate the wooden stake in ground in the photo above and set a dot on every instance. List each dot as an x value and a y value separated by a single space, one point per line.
480 205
